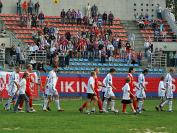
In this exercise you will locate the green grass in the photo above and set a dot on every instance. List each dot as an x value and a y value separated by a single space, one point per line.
72 121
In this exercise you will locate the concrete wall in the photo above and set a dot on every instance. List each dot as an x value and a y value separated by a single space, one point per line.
5 40
165 46
124 9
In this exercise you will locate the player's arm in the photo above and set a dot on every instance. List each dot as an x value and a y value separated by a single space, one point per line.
15 82
113 86
92 87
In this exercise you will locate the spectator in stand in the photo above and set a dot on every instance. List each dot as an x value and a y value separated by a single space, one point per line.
85 20
18 52
73 16
110 18
29 21
19 12
159 11
34 20
23 20
146 47
33 62
99 21
36 7
128 47
25 6
141 24
94 11
110 50
103 55
88 11
91 21
30 7
1 6
70 49
131 38
41 18
175 56
69 16
79 17
139 57
63 15
105 17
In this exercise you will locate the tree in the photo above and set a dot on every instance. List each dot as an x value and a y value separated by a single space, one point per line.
172 3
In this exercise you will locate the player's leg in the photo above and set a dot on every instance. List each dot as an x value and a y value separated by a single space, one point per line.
170 104
134 101
8 103
57 101
163 104
19 100
26 99
132 108
46 101
100 105
140 105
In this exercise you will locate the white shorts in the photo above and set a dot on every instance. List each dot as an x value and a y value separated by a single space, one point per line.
51 92
11 91
109 93
140 94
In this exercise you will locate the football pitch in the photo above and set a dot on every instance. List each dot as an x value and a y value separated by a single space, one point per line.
72 121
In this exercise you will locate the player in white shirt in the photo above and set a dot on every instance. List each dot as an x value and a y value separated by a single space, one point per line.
170 88
140 90
161 92
51 91
109 92
91 94
126 96
14 80
22 94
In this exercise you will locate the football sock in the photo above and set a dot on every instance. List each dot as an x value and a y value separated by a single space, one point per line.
140 105
166 101
105 105
124 107
45 103
100 104
170 105
112 104
58 104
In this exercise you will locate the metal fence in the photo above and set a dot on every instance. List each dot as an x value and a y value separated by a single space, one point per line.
158 60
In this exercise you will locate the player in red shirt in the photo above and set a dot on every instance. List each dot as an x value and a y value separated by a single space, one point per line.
132 86
29 90
97 84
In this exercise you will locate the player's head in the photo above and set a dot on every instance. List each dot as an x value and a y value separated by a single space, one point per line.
55 68
29 68
131 70
112 71
25 75
145 71
171 70
162 78
17 69
127 80
93 74
97 70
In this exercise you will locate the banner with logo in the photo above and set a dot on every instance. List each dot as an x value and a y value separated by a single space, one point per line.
75 84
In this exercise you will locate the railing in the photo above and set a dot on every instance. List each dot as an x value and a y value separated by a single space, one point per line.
38 56
158 60
13 39
166 16
2 56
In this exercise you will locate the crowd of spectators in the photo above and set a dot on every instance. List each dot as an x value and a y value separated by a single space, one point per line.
90 17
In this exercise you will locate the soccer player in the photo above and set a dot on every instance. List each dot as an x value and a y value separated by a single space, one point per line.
14 84
126 95
97 84
109 93
91 94
141 88
51 91
161 92
170 88
22 93
132 87
29 90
